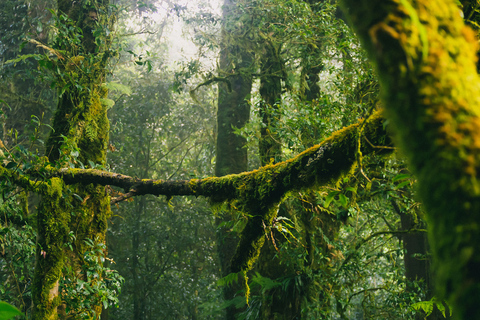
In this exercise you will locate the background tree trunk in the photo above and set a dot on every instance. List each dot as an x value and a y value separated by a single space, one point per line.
233 112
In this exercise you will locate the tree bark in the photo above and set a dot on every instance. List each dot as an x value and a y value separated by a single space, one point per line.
233 112
426 61
80 123
270 148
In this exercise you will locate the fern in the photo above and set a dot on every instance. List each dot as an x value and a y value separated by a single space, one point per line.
91 131
427 306
228 280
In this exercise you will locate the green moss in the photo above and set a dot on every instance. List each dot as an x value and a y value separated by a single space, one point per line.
58 215
426 60
82 119
53 219
258 193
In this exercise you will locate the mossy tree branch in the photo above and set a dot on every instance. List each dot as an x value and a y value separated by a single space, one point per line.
319 165
425 58
255 193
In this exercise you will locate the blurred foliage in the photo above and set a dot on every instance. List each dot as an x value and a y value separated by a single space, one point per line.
165 248
21 93
343 241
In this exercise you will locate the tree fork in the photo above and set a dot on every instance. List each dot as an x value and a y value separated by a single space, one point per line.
257 192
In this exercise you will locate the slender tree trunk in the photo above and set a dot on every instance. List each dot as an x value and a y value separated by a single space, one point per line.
233 111
138 284
417 257
311 64
415 251
270 148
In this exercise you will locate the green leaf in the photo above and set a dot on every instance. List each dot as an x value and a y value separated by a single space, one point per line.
441 307
330 198
351 189
402 184
343 200
264 282
119 88
24 57
401 177
10 165
107 102
228 279
78 197
8 311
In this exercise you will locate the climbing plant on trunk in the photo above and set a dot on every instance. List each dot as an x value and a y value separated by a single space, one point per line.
71 220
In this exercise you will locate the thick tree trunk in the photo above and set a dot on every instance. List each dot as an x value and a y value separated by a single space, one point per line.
81 124
426 61
233 105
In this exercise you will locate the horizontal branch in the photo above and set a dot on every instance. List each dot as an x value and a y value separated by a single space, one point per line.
259 189
256 193
318 165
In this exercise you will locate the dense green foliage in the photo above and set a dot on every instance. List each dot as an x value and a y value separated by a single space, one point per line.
349 248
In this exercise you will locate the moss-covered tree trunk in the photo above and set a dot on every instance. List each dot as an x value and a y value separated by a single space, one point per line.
426 61
80 134
233 112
